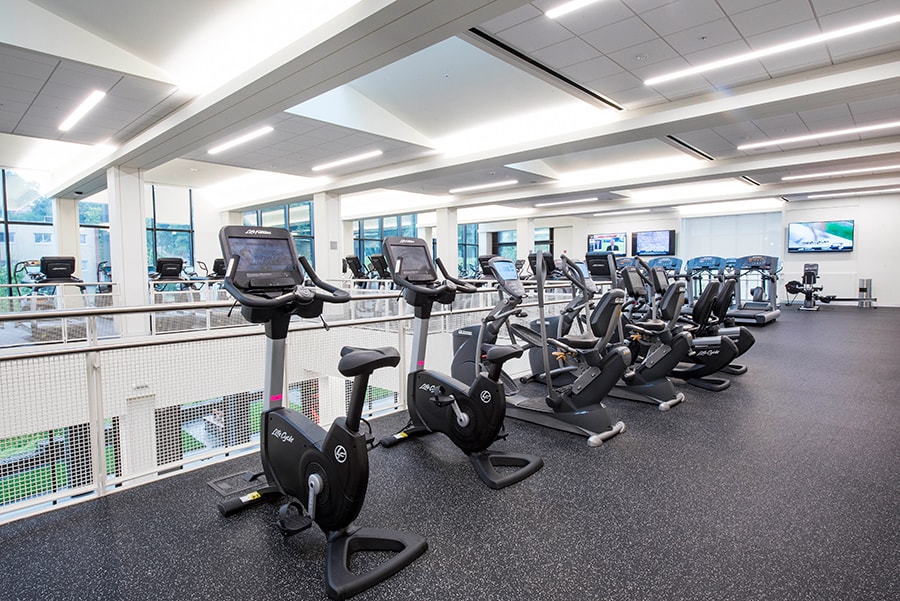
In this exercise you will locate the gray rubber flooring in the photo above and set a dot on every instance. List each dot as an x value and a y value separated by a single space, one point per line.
785 486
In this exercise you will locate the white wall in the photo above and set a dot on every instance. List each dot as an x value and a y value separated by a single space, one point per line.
208 220
875 253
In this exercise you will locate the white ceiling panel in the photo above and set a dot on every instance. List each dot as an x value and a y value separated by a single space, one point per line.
682 14
774 15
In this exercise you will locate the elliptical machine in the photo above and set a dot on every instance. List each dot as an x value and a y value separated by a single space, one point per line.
327 472
576 407
470 415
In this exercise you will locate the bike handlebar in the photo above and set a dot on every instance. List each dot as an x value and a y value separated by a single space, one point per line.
300 294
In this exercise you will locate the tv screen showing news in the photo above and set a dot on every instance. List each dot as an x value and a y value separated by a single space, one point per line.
820 236
614 243
653 243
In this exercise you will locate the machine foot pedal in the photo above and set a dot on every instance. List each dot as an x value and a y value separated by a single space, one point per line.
291 519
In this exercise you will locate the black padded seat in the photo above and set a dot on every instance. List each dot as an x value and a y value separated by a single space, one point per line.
654 325
583 342
356 361
498 354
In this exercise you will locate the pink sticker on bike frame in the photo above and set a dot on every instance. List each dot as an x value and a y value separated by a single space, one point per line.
277 397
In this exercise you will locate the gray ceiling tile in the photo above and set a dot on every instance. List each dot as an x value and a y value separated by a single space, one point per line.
827 7
566 53
620 35
642 6
591 17
648 53
681 15
732 7
519 15
772 16
535 34
703 37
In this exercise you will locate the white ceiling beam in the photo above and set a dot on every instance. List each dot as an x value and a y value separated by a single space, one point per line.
369 35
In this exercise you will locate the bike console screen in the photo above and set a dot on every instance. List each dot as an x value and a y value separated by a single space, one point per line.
410 260
260 258
506 274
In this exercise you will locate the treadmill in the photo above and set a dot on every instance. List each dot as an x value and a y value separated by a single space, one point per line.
759 305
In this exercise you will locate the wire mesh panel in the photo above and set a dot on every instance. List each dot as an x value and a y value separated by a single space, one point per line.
45 432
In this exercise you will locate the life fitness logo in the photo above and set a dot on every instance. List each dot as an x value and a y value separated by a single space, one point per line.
266 232
340 453
485 396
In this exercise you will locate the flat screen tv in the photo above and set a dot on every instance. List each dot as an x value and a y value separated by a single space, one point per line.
614 243
653 243
820 236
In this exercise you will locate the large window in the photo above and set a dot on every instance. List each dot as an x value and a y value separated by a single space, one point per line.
368 234
503 243
468 250
296 217
93 221
170 224
26 223
543 239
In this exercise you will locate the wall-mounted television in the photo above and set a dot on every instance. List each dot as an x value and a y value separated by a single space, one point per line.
820 236
614 243
653 243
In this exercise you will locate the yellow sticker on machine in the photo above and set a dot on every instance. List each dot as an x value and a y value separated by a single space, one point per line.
250 497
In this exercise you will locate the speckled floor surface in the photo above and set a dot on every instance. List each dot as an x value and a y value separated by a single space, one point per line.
785 486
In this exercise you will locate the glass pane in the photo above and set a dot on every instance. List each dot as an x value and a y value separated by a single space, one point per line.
4 265
300 215
94 210
506 236
28 243
356 230
542 247
304 247
408 225
508 251
151 252
371 247
542 233
472 233
272 217
174 244
389 227
372 229
24 199
250 218
94 250
173 207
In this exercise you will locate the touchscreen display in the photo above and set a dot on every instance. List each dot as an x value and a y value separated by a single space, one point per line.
506 270
263 255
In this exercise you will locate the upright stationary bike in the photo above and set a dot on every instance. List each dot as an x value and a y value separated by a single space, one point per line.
471 415
327 472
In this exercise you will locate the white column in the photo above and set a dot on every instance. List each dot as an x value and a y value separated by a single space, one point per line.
448 238
67 242
524 237
128 244
328 231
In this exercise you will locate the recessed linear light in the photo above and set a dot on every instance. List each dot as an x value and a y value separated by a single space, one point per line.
245 138
749 56
86 105
819 136
565 202
346 161
500 184
789 178
567 7
852 193
630 212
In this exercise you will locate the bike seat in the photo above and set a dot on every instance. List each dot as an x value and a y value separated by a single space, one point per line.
499 354
581 342
356 361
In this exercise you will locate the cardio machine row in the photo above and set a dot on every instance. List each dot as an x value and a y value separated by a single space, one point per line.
323 476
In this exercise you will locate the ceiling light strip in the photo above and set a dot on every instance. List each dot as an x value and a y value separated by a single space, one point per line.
853 193
568 7
83 109
790 178
500 184
629 212
242 139
566 202
749 56
821 135
348 160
